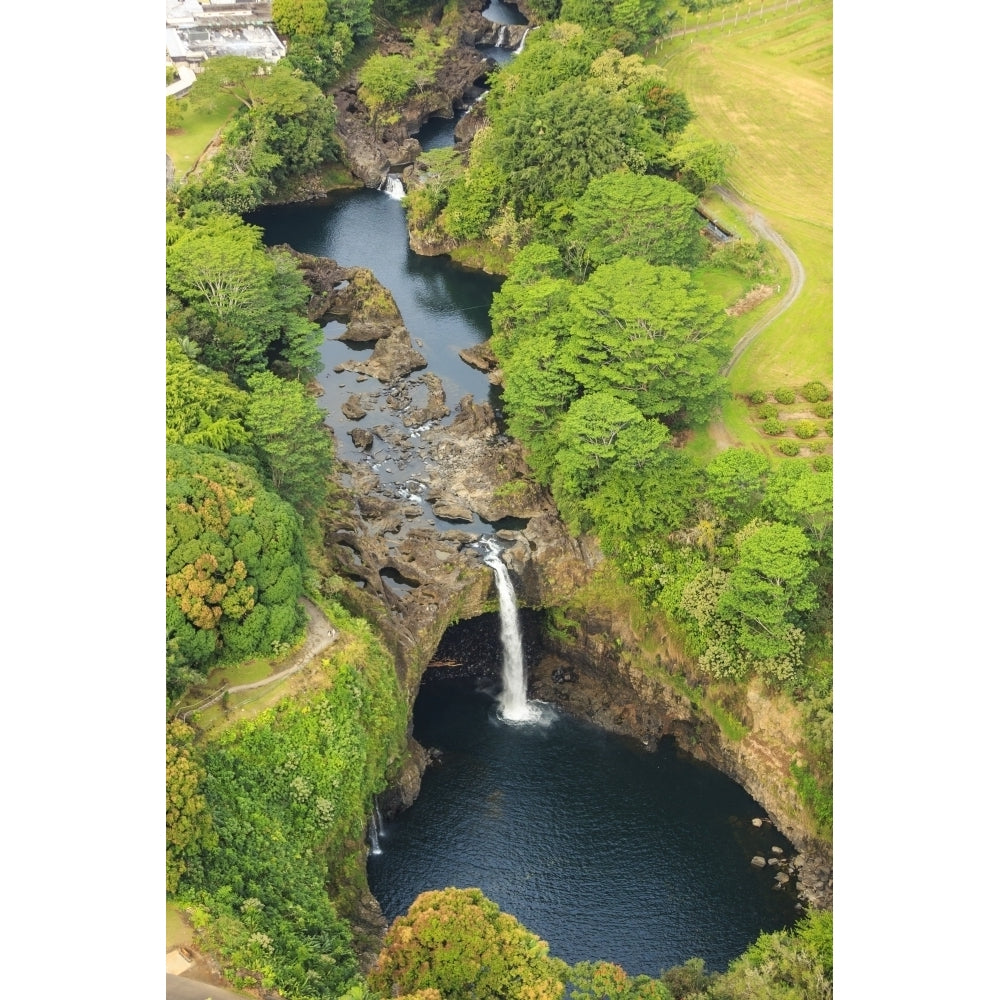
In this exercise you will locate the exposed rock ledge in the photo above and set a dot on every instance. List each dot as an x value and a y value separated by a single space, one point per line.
414 581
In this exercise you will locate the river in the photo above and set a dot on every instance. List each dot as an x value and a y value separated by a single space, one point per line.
604 849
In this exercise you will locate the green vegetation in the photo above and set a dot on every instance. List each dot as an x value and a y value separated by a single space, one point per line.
765 86
456 943
234 564
611 328
789 419
460 943
269 812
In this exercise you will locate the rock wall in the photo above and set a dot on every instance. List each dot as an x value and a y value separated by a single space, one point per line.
412 581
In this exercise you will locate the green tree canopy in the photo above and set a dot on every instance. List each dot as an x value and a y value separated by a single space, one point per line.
607 981
289 432
589 441
649 335
234 564
203 406
628 215
308 18
385 82
797 494
459 942
246 301
189 823
737 480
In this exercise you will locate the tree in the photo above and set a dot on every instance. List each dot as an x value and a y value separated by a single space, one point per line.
628 215
589 445
295 446
701 163
765 594
549 146
385 82
203 407
189 823
459 942
799 495
320 58
536 394
796 964
736 483
306 18
607 981
649 335
236 75
234 564
249 300
356 14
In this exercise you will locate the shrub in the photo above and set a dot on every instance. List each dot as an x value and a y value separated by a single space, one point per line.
815 392
172 75
828 427
823 463
806 429
773 426
757 397
175 117
767 411
824 410
784 395
788 447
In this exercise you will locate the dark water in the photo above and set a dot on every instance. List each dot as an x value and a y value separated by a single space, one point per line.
503 13
603 849
445 307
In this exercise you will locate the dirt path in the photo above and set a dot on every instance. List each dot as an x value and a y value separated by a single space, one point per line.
320 634
717 429
760 226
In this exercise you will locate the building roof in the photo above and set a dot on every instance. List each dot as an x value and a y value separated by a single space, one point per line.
196 31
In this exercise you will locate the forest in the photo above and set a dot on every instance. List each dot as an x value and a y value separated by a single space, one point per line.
611 344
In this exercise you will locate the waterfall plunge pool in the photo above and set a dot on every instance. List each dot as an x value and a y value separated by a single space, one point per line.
602 848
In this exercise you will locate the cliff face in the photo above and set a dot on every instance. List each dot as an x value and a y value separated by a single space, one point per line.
412 580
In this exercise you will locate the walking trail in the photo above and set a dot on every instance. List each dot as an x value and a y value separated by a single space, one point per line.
717 429
320 635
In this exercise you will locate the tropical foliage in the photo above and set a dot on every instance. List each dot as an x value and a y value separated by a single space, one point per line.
234 564
460 943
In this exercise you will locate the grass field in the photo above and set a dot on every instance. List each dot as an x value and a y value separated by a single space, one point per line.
766 86
198 130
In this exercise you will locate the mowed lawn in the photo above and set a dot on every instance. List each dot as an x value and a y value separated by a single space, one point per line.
766 86
199 128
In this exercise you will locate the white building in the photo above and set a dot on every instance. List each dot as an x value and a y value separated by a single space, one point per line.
196 32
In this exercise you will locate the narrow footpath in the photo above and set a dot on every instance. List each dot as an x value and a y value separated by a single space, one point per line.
717 428
320 635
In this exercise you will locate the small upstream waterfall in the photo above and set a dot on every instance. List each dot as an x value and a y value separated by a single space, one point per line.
502 37
514 704
393 187
375 831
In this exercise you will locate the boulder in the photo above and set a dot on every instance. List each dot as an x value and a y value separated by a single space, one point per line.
758 862
352 408
361 436
392 358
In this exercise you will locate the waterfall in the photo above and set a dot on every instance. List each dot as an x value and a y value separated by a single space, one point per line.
502 37
514 705
373 841
520 44
393 187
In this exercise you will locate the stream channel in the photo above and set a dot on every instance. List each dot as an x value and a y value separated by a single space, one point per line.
603 848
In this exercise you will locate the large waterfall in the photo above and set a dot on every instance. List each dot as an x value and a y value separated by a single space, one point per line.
514 704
